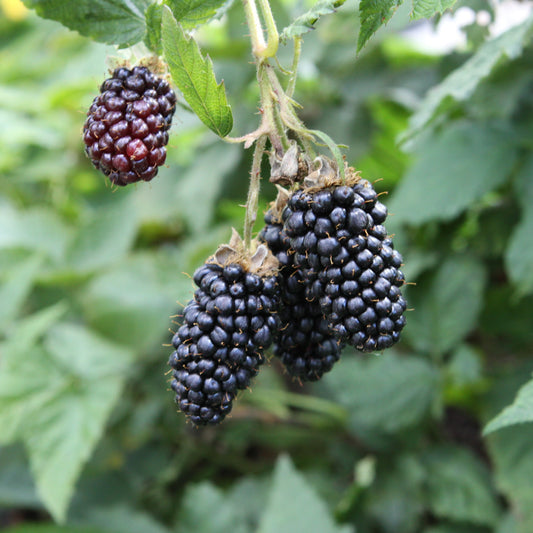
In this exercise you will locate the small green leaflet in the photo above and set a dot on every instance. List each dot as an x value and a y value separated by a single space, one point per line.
306 22
194 76
519 412
192 13
374 14
119 22
428 8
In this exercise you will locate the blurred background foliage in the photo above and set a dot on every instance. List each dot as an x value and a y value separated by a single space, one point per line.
89 275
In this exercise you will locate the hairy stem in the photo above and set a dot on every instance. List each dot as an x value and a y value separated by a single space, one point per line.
254 25
253 192
294 69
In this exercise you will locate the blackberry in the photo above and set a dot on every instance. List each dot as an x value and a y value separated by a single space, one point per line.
348 261
219 347
126 130
303 343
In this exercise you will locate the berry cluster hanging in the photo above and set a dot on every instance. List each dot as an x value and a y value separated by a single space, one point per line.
322 274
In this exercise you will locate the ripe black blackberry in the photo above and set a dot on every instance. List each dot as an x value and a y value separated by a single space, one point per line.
226 327
348 262
126 130
303 343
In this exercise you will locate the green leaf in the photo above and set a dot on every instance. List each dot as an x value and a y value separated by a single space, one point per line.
519 253
387 393
60 413
294 507
109 21
200 187
452 170
205 508
306 22
36 229
447 306
459 487
462 82
131 304
15 289
152 39
428 8
465 366
512 458
373 15
397 497
192 13
194 76
519 412
105 237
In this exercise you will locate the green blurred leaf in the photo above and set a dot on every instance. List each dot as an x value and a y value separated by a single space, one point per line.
205 508
462 82
192 13
519 412
373 15
15 289
132 303
105 237
293 506
35 229
397 499
453 170
512 457
306 22
60 413
109 21
428 8
519 253
465 366
459 487
195 77
447 306
199 188
386 392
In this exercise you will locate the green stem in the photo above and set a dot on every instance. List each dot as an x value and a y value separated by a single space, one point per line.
272 32
294 70
253 192
254 25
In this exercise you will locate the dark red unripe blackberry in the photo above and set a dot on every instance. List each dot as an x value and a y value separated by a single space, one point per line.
303 343
347 260
126 130
219 347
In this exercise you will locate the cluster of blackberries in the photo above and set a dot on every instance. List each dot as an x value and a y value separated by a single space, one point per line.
303 342
126 130
340 275
348 262
219 347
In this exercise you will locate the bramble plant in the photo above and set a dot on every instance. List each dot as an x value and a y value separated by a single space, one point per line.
391 441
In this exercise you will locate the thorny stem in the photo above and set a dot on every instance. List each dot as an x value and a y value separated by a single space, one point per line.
253 192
